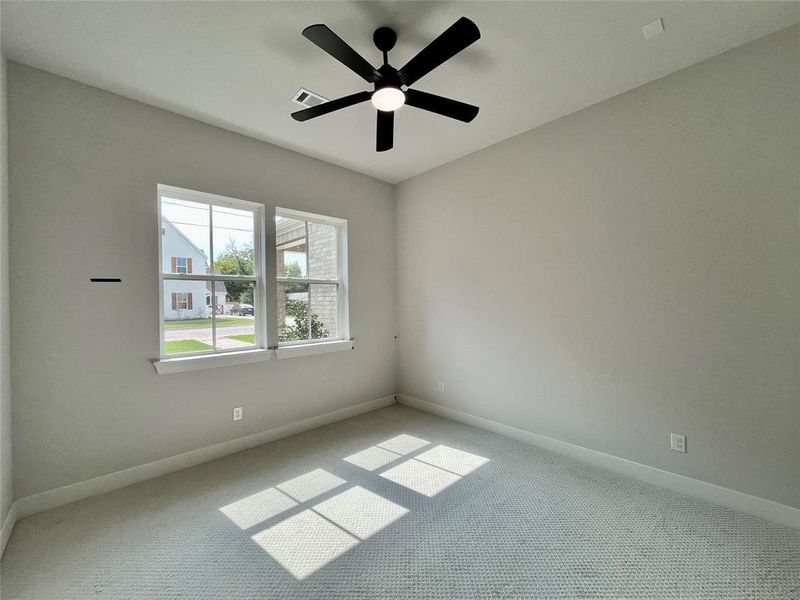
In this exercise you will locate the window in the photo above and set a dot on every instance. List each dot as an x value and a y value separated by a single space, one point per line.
212 289
211 273
181 301
311 255
181 265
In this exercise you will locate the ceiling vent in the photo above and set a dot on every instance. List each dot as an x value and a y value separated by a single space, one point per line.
308 99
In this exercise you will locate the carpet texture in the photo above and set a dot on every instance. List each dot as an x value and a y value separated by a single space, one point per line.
398 504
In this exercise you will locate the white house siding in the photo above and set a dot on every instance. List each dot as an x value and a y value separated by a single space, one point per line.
198 291
175 245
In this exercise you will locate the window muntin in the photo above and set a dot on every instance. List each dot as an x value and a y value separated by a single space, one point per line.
211 273
311 271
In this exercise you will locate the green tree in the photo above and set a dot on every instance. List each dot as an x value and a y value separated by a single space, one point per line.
237 261
298 310
293 269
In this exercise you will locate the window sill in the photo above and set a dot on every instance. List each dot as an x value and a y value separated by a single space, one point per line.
192 363
315 348
165 366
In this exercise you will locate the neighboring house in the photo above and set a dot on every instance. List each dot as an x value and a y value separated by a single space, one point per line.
223 306
186 299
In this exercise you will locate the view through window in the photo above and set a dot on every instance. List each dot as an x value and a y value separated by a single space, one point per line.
210 273
311 294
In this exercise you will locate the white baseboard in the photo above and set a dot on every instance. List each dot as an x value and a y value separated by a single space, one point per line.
8 526
759 507
42 501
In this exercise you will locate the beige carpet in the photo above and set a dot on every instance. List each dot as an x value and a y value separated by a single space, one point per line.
398 504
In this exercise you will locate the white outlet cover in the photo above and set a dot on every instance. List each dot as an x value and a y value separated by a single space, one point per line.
237 413
677 442
653 29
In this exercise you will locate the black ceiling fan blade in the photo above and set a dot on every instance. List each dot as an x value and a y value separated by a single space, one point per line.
455 38
385 137
330 106
323 37
441 106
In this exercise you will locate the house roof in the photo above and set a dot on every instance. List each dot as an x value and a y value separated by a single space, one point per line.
219 287
166 221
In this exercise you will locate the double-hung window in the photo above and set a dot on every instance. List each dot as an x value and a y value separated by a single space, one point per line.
181 301
311 255
182 265
211 273
212 287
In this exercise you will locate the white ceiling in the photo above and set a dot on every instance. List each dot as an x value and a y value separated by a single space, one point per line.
236 65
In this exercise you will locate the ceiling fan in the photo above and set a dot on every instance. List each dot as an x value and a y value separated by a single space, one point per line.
389 82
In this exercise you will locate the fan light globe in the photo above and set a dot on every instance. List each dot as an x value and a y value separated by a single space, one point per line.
388 99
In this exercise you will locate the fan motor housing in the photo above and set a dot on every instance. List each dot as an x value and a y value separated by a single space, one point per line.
385 38
389 78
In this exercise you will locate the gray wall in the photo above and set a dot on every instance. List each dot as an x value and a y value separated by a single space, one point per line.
84 166
624 272
6 473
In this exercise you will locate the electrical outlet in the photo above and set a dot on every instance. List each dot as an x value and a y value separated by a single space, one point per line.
677 442
441 386
237 413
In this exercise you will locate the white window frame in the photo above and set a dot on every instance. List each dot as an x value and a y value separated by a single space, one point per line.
185 301
341 281
185 265
178 362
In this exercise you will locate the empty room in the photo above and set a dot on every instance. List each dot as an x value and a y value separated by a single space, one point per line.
399 300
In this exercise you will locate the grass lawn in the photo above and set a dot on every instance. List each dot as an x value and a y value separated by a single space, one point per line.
178 346
249 338
197 323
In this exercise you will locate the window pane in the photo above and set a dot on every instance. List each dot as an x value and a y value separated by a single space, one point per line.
185 246
187 317
324 310
290 247
292 312
322 263
234 241
234 306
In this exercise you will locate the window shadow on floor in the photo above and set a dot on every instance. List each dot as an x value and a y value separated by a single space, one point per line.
303 534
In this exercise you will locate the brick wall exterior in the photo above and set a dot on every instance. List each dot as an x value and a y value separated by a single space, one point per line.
322 248
323 265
